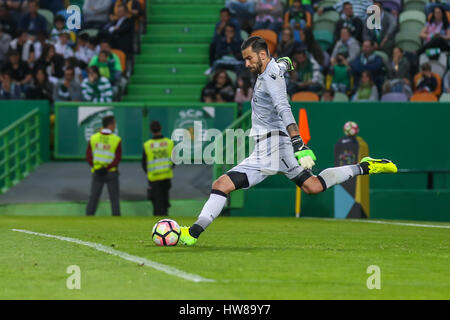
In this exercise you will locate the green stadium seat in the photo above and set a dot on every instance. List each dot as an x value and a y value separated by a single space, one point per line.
412 21
408 41
49 17
91 32
445 97
327 21
340 97
418 5
324 38
383 56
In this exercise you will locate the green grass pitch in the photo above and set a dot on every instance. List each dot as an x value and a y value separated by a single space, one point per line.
249 258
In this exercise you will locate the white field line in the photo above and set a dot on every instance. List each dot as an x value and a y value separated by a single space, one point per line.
142 261
386 222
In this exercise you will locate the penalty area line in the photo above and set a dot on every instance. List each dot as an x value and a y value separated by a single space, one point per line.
142 261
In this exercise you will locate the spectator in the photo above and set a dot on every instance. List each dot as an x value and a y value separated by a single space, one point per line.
384 37
15 8
75 65
41 88
436 32
8 89
244 91
52 62
297 17
286 45
346 46
359 7
113 59
96 13
341 73
269 15
33 22
58 28
446 82
226 19
96 88
133 10
219 32
312 47
367 90
228 51
350 21
328 95
220 89
62 47
243 10
426 82
307 75
67 89
25 45
5 39
368 61
398 74
120 32
85 50
429 7
7 22
18 70
106 67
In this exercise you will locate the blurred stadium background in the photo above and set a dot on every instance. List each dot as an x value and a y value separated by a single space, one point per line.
165 63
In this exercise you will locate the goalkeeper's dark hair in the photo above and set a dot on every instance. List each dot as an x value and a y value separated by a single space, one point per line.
257 44
108 120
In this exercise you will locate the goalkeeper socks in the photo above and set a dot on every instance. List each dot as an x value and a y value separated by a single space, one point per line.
333 176
211 210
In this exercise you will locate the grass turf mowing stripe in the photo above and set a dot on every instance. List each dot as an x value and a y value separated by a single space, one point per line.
155 265
386 222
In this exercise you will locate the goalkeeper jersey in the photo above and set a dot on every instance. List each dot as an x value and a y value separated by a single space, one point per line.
271 110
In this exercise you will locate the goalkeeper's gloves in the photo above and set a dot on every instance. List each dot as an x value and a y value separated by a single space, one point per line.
288 62
304 155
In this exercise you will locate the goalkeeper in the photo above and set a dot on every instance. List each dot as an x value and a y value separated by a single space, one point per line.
279 147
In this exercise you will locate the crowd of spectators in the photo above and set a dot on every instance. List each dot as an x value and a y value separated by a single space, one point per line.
362 63
41 58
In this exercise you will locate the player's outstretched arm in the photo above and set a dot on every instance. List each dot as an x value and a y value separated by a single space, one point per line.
304 155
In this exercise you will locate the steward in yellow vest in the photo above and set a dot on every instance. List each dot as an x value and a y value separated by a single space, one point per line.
158 165
103 154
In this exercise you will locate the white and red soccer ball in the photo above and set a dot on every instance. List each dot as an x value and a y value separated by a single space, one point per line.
166 232
351 128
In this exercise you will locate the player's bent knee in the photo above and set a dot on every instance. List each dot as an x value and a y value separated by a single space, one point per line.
223 184
312 186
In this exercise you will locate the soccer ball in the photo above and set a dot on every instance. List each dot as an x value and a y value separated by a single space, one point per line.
166 232
351 128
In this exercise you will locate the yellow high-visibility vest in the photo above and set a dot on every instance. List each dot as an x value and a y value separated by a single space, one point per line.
104 148
159 159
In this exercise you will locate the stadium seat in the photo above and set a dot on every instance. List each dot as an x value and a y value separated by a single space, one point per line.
418 5
49 17
445 97
408 41
91 32
340 97
436 92
232 76
394 97
271 38
412 21
305 96
244 35
438 66
324 38
327 21
122 57
423 97
383 56
327 3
